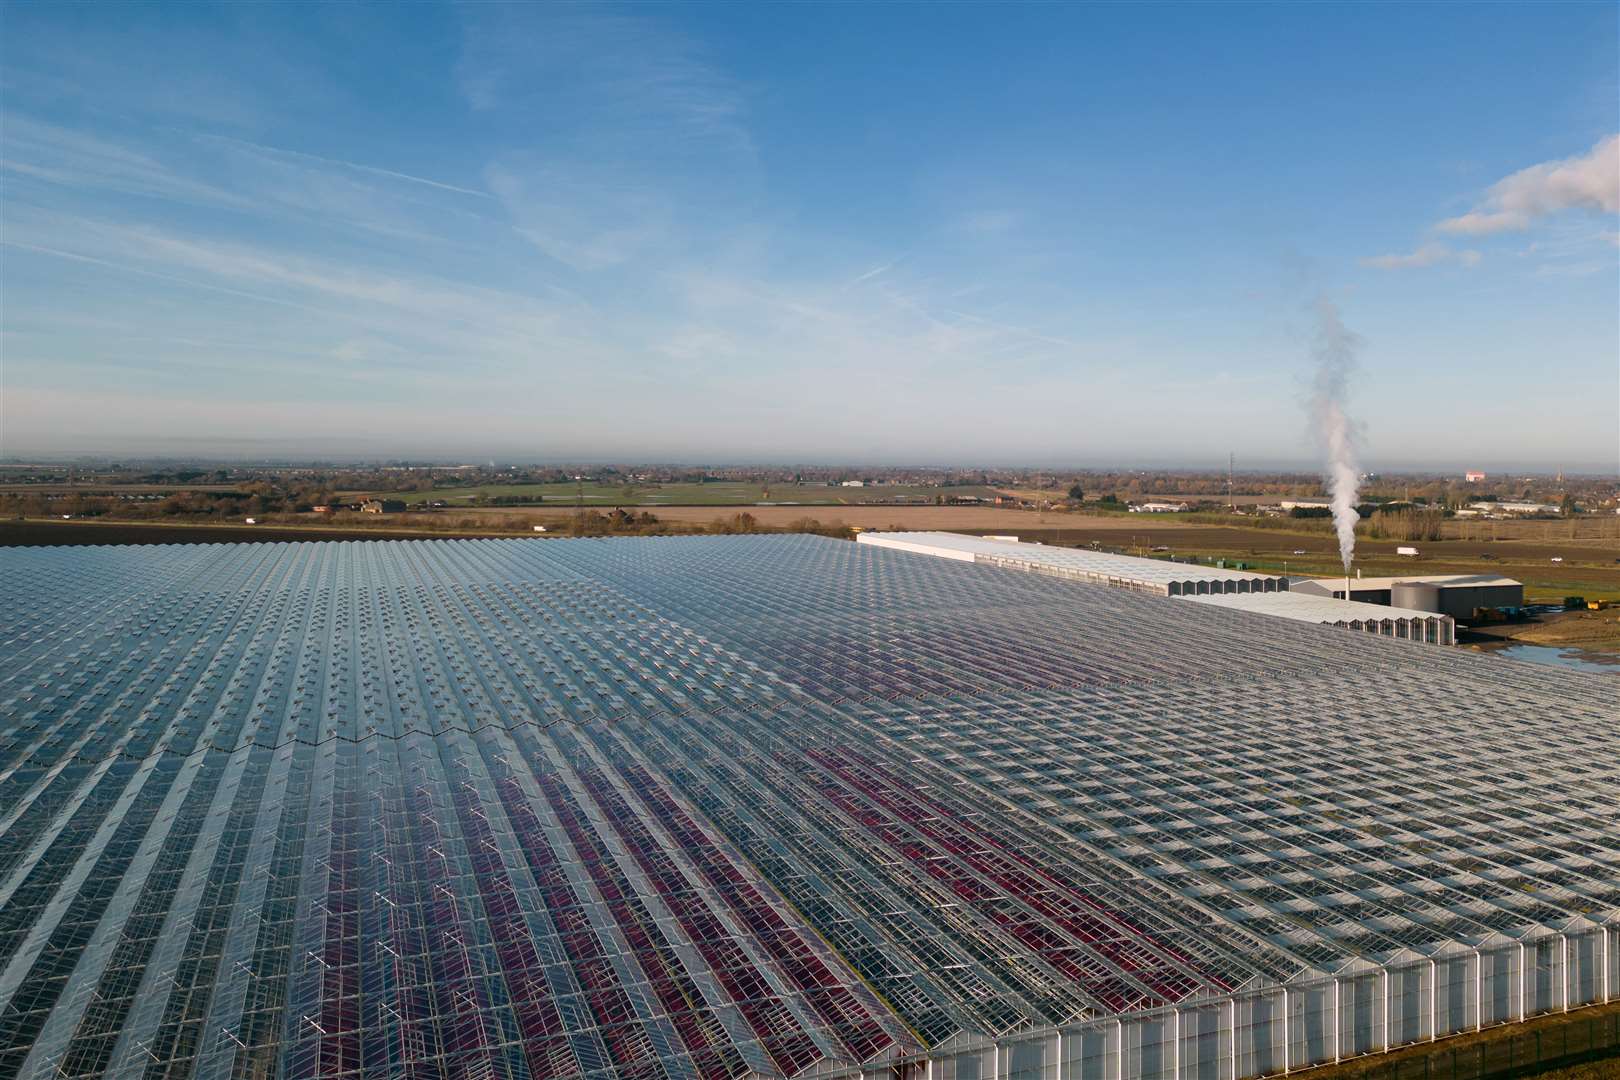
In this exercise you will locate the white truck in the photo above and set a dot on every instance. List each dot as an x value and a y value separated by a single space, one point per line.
1411 551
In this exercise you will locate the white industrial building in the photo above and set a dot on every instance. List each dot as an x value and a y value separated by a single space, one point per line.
1456 595
1514 507
1104 568
1430 627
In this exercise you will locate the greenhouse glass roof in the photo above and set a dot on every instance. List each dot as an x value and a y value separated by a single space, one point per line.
1102 567
724 806
1311 607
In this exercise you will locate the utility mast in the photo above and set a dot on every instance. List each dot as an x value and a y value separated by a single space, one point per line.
1230 498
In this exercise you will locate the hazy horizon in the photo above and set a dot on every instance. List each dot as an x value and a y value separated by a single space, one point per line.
1493 470
790 234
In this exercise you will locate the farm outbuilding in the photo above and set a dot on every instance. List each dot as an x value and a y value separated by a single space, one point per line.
1079 564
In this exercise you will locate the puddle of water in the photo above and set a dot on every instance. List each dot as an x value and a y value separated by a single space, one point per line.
1579 659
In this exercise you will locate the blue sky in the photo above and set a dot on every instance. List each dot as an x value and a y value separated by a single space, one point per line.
908 233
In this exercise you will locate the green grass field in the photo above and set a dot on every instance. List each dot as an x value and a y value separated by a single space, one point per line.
717 494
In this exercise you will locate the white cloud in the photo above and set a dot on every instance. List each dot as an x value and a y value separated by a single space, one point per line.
618 79
1427 255
1588 182
437 316
1573 269
46 164
57 155
586 218
619 145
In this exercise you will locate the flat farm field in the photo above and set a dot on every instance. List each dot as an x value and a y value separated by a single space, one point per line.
720 493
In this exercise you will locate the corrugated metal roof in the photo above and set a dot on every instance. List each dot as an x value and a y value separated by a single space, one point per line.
1380 583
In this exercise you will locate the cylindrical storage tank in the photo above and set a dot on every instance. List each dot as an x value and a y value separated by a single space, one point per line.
1414 596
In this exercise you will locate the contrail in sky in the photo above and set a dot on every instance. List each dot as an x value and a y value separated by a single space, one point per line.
356 166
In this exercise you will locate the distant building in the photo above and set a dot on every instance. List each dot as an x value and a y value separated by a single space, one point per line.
1514 507
1473 477
1305 504
1159 508
322 509
854 483
382 506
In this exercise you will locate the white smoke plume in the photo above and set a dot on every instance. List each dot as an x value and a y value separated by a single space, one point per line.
1335 354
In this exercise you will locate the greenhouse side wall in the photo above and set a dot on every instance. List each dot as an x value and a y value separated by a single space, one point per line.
1284 1028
